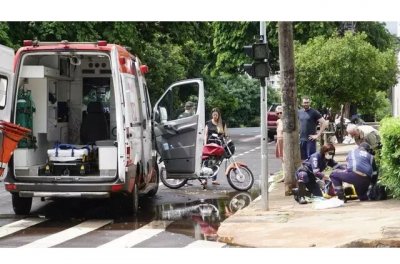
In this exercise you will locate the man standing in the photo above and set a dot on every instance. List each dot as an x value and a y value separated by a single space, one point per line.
309 119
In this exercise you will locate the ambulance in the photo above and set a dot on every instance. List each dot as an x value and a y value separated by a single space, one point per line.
94 132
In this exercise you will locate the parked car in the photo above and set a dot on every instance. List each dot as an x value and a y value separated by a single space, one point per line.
272 117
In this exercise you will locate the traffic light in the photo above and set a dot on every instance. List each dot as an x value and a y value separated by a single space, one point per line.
259 53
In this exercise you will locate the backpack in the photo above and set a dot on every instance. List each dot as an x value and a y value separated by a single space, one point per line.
377 192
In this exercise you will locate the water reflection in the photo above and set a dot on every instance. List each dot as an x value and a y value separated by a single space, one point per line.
202 219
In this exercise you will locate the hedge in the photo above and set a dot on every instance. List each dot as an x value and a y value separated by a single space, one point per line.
390 155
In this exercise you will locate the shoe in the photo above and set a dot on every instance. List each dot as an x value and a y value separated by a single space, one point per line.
203 182
302 200
215 183
302 189
341 196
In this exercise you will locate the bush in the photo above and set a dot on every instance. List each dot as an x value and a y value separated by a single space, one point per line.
390 154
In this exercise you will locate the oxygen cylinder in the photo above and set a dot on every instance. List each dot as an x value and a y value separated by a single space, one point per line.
24 118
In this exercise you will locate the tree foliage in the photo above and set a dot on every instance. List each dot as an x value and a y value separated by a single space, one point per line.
211 50
339 69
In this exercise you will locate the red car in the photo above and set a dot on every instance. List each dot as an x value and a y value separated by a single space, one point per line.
272 117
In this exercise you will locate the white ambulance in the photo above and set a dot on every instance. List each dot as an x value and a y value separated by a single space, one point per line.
93 135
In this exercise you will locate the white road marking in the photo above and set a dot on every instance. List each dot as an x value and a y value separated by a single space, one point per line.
246 152
250 138
205 244
19 225
137 236
68 234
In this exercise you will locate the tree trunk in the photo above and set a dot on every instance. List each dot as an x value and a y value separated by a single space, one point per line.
291 149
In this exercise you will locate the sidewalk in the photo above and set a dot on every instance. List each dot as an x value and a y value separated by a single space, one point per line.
288 224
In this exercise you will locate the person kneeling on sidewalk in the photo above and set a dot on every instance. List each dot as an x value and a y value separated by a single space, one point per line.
361 171
310 174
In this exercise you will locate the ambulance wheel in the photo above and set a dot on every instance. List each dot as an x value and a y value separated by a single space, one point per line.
153 191
134 203
21 205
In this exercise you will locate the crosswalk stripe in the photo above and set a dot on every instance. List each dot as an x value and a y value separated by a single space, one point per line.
205 244
19 225
68 234
137 236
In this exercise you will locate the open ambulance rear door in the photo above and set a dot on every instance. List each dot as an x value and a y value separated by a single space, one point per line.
6 94
6 82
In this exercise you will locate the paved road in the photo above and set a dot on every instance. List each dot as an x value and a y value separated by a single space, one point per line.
188 217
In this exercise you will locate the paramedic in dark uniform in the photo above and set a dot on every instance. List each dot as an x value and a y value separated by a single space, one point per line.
312 169
309 118
361 171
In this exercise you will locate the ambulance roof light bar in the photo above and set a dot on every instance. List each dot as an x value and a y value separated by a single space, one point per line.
29 42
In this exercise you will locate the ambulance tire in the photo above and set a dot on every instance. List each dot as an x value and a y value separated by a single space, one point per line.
134 200
154 191
21 205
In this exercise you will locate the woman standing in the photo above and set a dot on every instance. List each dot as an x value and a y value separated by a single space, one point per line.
279 134
215 126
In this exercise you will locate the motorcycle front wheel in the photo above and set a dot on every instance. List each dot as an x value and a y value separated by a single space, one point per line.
171 183
241 178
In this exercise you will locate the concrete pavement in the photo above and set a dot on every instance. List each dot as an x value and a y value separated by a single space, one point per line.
288 224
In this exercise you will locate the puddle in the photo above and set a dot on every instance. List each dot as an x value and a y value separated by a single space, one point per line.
201 219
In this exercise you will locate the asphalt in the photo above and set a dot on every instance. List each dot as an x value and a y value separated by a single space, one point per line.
288 224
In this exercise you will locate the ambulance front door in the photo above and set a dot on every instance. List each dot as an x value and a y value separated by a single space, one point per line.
179 129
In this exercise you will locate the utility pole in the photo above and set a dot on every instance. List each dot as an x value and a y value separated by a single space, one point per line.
264 130
260 69
291 149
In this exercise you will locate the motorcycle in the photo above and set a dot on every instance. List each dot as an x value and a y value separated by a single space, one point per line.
238 174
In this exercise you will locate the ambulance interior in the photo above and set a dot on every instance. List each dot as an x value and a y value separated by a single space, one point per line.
67 100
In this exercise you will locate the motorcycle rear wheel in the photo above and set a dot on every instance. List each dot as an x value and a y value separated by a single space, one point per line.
171 183
241 179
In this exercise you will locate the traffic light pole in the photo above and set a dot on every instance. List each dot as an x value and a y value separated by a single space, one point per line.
264 131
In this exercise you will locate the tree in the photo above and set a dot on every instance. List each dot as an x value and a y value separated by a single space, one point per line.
4 36
347 69
228 41
291 153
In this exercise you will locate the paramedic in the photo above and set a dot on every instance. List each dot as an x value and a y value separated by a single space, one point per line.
310 174
361 171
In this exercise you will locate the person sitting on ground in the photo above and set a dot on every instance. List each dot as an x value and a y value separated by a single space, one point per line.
361 171
311 173
189 111
364 133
